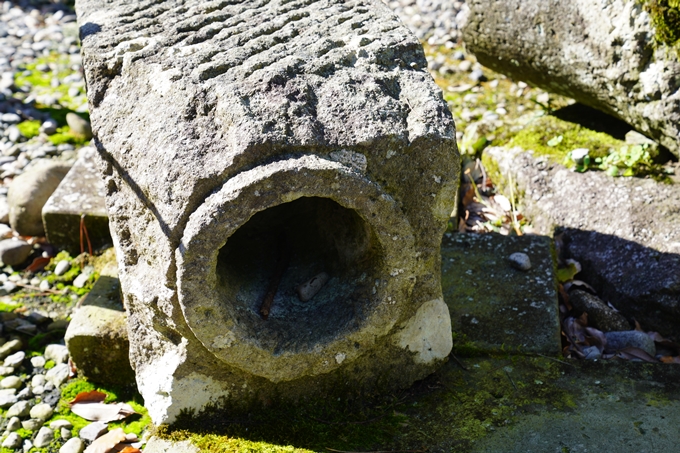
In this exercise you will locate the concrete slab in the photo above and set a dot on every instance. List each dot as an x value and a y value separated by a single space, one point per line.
97 337
81 192
494 306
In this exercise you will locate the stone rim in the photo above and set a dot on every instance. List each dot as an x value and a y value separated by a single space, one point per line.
224 212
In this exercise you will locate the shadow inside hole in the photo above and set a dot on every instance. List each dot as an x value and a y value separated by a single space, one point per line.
321 236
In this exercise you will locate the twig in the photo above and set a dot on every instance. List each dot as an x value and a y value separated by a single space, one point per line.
281 266
459 362
556 360
378 451
35 288
511 381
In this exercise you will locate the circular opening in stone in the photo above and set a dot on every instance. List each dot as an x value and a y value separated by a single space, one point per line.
299 240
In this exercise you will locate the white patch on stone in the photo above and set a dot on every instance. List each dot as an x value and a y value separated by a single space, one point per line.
340 357
155 381
357 161
224 341
428 333
652 78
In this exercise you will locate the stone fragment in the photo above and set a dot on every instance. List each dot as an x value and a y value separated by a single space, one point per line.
20 409
604 57
66 433
617 341
79 125
74 445
600 315
261 181
58 375
93 431
97 326
14 251
308 289
13 440
56 352
494 307
38 362
58 424
41 411
520 261
44 437
80 193
29 192
8 397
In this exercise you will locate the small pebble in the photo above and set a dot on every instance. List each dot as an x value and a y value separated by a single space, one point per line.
20 409
58 375
62 267
12 441
93 431
41 411
11 382
6 370
15 359
38 362
617 341
13 424
44 285
58 424
56 352
44 437
520 261
10 347
31 424
74 445
66 433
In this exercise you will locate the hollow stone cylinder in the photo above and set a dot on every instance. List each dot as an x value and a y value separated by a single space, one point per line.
248 147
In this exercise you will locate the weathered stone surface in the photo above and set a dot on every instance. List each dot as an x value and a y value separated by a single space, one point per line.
97 336
495 306
600 315
157 445
623 231
231 131
81 192
602 54
29 192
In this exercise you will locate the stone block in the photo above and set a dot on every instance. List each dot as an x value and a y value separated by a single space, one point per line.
249 147
97 337
80 192
495 307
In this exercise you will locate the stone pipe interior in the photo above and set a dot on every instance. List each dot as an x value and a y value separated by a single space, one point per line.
321 236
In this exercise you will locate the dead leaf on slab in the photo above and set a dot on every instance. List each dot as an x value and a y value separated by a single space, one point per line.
89 397
100 412
635 353
107 442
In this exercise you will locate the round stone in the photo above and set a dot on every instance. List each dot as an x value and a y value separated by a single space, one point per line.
74 445
62 267
31 424
20 409
520 261
15 359
11 382
38 362
41 411
44 437
12 441
13 424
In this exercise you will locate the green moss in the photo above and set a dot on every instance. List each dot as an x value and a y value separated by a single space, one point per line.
64 135
9 307
543 137
29 129
665 16
50 364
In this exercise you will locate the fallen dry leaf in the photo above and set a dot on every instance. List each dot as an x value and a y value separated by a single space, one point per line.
635 353
100 412
89 397
107 442
669 359
129 449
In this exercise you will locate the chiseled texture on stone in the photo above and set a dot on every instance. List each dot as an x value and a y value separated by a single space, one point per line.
237 133
601 53
81 192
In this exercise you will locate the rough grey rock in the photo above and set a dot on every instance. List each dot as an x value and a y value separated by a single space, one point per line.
41 411
74 445
318 121
56 352
602 54
617 341
623 231
20 409
600 315
29 192
58 374
13 251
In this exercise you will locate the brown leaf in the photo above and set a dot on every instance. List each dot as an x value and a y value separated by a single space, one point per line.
596 338
38 264
130 449
107 442
469 195
89 397
100 412
670 359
